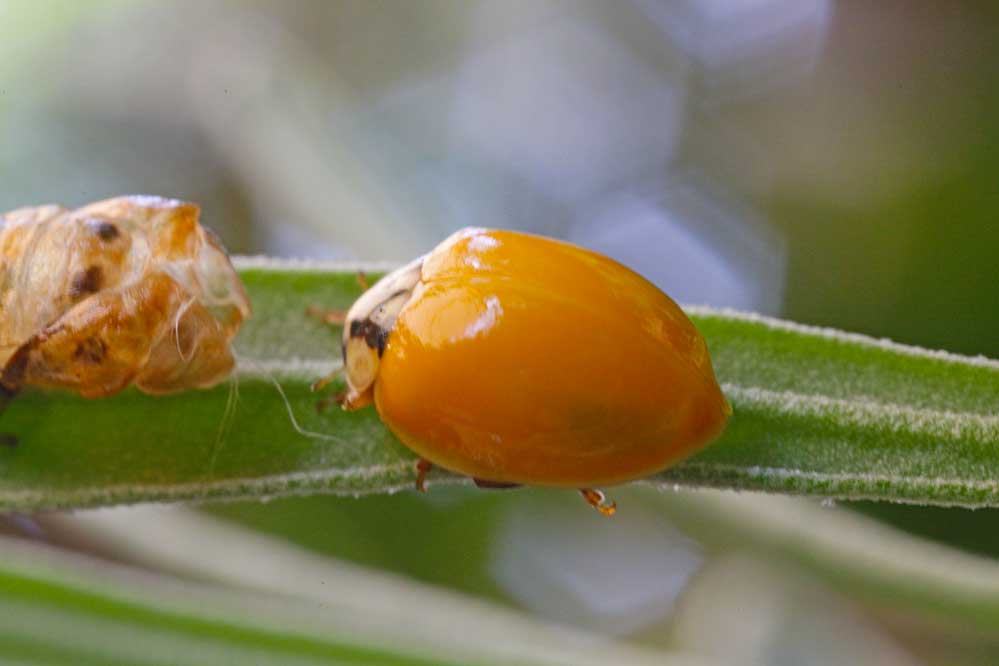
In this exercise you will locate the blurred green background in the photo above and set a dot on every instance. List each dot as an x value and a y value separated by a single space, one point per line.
828 162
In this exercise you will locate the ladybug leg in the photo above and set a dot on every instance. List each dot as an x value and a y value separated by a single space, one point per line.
422 467
491 485
336 317
599 501
323 382
336 399
327 316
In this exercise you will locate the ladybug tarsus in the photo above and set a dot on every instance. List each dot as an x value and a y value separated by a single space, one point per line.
329 401
422 467
599 501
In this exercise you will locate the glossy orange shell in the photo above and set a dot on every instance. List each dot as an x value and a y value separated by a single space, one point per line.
522 359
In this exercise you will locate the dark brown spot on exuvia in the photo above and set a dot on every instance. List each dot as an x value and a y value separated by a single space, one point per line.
86 282
107 231
91 350
17 366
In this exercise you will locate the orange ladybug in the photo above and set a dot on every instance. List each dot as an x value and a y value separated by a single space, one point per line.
125 291
517 359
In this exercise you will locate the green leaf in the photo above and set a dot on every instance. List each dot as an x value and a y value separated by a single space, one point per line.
816 412
834 414
69 609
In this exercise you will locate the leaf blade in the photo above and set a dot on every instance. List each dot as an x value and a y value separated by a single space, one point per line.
816 412
834 414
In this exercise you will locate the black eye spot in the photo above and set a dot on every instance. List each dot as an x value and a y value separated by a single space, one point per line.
107 231
86 282
374 336
356 328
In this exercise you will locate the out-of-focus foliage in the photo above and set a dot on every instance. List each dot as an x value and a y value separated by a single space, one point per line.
76 610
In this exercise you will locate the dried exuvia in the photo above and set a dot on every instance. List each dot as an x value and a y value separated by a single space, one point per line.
131 290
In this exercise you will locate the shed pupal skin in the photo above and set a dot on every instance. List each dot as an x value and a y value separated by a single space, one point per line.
130 290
